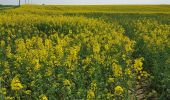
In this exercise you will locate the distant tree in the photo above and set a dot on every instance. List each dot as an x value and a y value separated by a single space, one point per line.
19 2
26 1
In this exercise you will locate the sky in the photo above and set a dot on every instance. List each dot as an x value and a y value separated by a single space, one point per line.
85 2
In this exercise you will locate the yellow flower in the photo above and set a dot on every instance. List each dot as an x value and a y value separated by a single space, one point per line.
1 79
87 60
145 74
16 84
124 57
117 70
111 80
96 47
2 43
48 72
37 65
90 94
138 64
32 83
66 82
9 98
106 46
128 62
59 50
118 90
74 53
27 92
139 77
128 71
43 97
3 91
128 47
93 85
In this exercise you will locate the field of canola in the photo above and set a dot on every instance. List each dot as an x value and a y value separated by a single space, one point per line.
85 52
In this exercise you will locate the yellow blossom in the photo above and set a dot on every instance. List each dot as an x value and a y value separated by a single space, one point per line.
118 90
27 92
128 71
9 98
117 69
96 47
93 85
2 43
111 80
90 94
16 84
43 97
36 64
67 82
138 64
3 91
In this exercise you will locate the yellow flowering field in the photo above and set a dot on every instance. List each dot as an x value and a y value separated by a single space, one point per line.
52 53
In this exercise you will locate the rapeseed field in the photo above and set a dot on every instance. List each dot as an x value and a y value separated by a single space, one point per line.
85 52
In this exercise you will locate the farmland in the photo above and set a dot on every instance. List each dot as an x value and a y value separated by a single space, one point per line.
90 52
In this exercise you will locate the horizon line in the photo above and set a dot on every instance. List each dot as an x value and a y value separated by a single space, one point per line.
88 4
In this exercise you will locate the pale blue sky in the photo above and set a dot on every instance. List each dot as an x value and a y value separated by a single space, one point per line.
85 2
